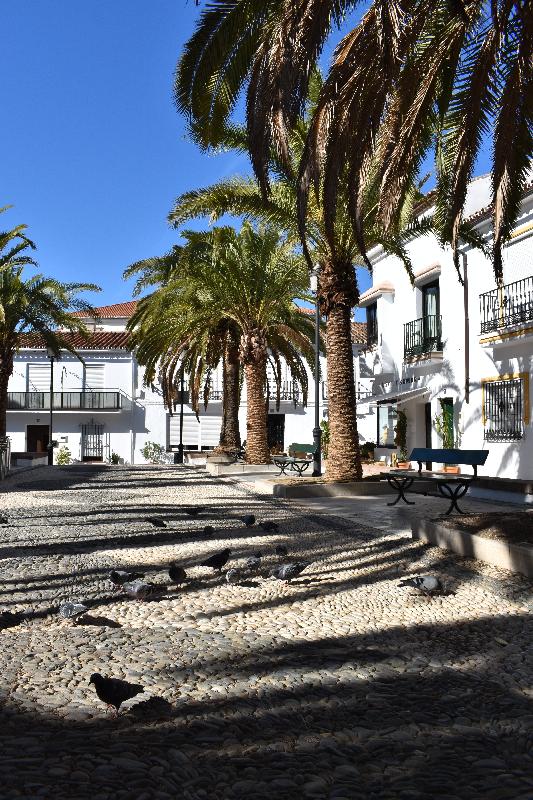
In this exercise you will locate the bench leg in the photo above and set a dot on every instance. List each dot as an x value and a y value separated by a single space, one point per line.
453 494
400 485
300 468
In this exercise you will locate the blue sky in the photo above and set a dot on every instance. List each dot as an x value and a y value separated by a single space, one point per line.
93 150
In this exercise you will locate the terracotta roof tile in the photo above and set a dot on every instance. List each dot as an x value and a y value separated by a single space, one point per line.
124 310
359 332
100 340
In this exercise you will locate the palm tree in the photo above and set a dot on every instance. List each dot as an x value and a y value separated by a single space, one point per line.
331 242
462 68
37 305
246 282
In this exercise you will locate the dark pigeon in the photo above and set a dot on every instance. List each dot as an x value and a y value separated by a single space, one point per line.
140 590
208 530
113 691
217 560
248 519
269 527
253 564
177 574
158 522
233 576
72 610
8 619
119 577
193 511
4 520
281 550
287 572
425 583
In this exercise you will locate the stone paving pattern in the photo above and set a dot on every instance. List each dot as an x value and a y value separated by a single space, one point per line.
339 686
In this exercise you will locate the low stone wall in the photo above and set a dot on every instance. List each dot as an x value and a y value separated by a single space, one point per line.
238 468
514 557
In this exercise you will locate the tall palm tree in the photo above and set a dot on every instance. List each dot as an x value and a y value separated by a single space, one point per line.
37 305
249 281
329 241
406 69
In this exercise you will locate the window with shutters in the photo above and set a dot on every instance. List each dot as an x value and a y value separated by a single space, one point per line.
94 376
39 377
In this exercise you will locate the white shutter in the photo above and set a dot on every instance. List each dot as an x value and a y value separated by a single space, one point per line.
210 431
191 431
38 377
94 376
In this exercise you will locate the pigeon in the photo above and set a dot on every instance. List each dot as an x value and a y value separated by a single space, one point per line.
119 577
248 519
287 572
113 691
8 619
233 576
140 590
217 560
3 519
268 526
176 574
193 511
208 530
426 583
72 610
281 550
253 564
158 522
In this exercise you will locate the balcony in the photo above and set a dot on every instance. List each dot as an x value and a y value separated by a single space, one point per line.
507 305
423 336
90 400
288 391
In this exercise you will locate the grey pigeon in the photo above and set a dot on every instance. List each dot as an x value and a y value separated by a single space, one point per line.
192 511
249 520
217 560
281 550
119 577
177 574
72 610
425 583
233 576
140 590
3 519
114 691
253 564
158 522
208 530
287 572
268 526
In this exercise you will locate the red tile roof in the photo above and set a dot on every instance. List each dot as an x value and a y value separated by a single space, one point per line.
122 310
359 332
100 340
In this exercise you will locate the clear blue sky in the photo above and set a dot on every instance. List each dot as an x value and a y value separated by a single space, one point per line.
93 152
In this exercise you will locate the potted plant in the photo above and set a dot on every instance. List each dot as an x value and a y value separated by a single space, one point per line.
367 451
444 426
400 440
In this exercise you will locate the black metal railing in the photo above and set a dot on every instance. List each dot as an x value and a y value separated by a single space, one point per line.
361 392
510 304
90 400
422 336
288 391
503 411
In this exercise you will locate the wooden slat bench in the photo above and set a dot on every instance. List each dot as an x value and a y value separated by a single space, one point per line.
293 462
449 487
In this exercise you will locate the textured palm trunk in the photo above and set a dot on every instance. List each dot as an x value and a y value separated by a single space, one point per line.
230 437
257 451
6 369
338 295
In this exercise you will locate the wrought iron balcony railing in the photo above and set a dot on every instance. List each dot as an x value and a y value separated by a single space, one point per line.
288 391
507 305
422 336
361 392
90 400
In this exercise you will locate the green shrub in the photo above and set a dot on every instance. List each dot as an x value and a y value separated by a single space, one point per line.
400 439
367 450
64 456
114 458
154 453
325 437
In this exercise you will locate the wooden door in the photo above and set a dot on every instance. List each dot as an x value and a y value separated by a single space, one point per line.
37 438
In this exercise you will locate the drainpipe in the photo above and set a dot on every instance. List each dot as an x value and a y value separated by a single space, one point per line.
467 327
132 410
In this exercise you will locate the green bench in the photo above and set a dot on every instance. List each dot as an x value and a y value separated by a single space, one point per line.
298 459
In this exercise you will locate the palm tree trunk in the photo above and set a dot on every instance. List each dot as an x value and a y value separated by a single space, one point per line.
230 437
6 369
257 451
338 295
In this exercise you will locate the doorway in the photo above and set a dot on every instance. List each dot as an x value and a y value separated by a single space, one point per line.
37 438
276 431
427 416
92 445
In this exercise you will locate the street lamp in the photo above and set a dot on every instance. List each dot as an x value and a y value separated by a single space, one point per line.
52 356
317 432
179 454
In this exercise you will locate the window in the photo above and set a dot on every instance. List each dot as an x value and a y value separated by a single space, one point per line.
431 312
505 408
372 324
94 376
387 416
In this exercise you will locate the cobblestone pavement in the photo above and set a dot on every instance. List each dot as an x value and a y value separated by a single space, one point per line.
338 686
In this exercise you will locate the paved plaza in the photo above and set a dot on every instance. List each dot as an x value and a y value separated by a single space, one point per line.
339 686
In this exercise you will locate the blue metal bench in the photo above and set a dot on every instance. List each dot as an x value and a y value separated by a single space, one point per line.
449 487
292 462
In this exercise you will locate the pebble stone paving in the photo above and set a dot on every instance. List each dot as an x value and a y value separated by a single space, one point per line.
340 686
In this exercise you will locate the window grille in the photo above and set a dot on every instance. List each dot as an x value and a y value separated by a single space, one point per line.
372 324
503 410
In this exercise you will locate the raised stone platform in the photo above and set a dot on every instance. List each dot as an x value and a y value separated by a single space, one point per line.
238 468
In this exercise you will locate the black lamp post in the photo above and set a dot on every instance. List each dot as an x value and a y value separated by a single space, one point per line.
179 454
51 355
317 432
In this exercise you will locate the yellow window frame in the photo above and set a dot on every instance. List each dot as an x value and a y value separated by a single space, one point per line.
524 377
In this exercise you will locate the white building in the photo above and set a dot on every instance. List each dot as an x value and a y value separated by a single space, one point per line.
467 348
101 406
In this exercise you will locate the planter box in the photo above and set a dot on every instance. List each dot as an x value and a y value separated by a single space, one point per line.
451 469
514 557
